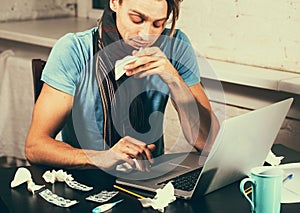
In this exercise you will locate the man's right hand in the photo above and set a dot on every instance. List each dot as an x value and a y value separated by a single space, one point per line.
125 150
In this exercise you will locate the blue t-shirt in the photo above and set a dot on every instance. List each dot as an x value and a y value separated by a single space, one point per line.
71 68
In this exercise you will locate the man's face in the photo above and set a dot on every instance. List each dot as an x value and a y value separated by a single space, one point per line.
140 22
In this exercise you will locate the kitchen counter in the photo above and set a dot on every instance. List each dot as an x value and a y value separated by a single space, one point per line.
43 32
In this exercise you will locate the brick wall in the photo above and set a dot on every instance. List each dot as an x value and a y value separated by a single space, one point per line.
262 33
252 32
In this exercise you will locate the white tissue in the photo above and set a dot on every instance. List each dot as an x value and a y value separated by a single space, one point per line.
273 160
32 187
162 198
119 66
23 175
60 176
126 167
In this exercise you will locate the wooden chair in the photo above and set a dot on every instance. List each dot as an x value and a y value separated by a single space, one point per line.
37 69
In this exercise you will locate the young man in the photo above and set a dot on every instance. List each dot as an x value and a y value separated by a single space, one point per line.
96 130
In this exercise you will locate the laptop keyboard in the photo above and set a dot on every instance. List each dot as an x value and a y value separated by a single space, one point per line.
185 182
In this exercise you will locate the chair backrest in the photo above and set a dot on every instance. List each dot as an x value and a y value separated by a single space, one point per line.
37 69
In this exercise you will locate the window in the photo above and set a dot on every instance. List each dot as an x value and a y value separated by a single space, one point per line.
99 4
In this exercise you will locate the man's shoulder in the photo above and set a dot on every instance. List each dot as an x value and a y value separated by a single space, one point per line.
82 39
86 34
177 33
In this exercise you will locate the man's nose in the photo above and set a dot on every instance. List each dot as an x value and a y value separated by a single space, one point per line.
145 32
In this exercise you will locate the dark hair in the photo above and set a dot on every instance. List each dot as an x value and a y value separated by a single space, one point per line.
174 8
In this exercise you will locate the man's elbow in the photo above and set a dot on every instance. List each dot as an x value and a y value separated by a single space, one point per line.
207 136
30 151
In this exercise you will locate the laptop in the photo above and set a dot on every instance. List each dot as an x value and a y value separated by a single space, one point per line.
243 142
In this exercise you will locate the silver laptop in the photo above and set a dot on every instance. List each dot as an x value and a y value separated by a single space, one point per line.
242 143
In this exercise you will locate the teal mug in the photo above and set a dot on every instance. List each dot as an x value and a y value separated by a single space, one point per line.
266 183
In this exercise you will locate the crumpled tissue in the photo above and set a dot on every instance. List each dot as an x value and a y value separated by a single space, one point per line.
162 198
119 66
60 176
126 167
23 175
273 160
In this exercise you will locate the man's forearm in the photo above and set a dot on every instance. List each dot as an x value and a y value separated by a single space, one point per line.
196 120
58 154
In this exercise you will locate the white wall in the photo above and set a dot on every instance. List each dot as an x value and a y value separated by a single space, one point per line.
261 33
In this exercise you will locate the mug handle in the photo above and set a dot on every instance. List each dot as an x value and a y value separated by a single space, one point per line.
242 189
